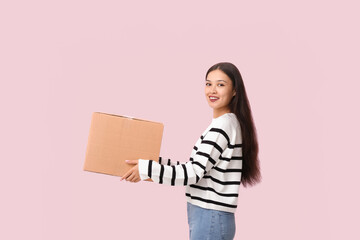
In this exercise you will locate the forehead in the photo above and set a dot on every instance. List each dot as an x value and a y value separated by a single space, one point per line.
217 75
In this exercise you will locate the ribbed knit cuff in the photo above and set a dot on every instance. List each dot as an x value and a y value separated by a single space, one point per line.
143 168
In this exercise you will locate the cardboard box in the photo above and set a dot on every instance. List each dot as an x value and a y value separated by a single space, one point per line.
113 139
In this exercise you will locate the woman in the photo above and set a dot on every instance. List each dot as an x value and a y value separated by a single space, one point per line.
225 155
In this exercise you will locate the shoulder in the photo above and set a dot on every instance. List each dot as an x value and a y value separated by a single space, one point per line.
227 124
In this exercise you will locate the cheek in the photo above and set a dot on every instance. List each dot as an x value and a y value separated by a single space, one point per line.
228 95
207 90
206 94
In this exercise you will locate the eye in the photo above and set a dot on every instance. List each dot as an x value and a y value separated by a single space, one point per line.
220 84
208 84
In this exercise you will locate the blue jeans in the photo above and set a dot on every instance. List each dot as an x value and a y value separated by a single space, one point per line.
209 224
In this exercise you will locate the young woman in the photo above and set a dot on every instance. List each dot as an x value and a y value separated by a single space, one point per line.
225 155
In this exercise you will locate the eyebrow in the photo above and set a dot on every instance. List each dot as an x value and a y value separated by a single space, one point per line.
216 80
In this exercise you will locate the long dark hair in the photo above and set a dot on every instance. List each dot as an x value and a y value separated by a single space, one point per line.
240 105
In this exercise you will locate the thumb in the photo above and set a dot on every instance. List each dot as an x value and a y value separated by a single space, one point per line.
131 161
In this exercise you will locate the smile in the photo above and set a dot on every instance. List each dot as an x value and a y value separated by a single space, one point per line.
213 99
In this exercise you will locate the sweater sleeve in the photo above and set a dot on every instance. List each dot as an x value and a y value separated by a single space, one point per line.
214 142
167 161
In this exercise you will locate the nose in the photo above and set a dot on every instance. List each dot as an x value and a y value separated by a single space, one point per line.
213 89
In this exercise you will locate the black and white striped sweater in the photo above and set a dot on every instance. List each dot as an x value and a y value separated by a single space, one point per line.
213 173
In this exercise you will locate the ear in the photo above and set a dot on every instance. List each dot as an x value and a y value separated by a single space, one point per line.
234 93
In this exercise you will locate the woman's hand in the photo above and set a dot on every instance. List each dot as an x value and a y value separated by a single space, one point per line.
133 174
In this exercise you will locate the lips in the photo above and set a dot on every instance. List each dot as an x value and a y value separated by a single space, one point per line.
213 98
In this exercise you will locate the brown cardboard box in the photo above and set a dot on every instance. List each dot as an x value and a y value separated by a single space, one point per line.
113 139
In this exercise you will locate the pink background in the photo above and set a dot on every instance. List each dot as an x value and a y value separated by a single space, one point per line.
62 60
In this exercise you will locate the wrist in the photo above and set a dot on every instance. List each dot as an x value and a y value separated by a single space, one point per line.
143 165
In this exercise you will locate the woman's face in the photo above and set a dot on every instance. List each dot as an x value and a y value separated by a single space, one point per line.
219 91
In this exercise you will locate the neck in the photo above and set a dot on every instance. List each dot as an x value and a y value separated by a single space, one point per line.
219 112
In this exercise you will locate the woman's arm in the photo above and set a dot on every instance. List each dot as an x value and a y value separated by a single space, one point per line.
215 141
133 174
167 161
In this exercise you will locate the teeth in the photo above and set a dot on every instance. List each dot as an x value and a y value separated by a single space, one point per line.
213 98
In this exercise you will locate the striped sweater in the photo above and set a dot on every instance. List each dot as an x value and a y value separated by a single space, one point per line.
213 173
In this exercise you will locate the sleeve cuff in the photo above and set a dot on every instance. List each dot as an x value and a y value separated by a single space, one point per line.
143 168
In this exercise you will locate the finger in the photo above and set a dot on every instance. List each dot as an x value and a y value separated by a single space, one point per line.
136 178
132 161
131 177
127 174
